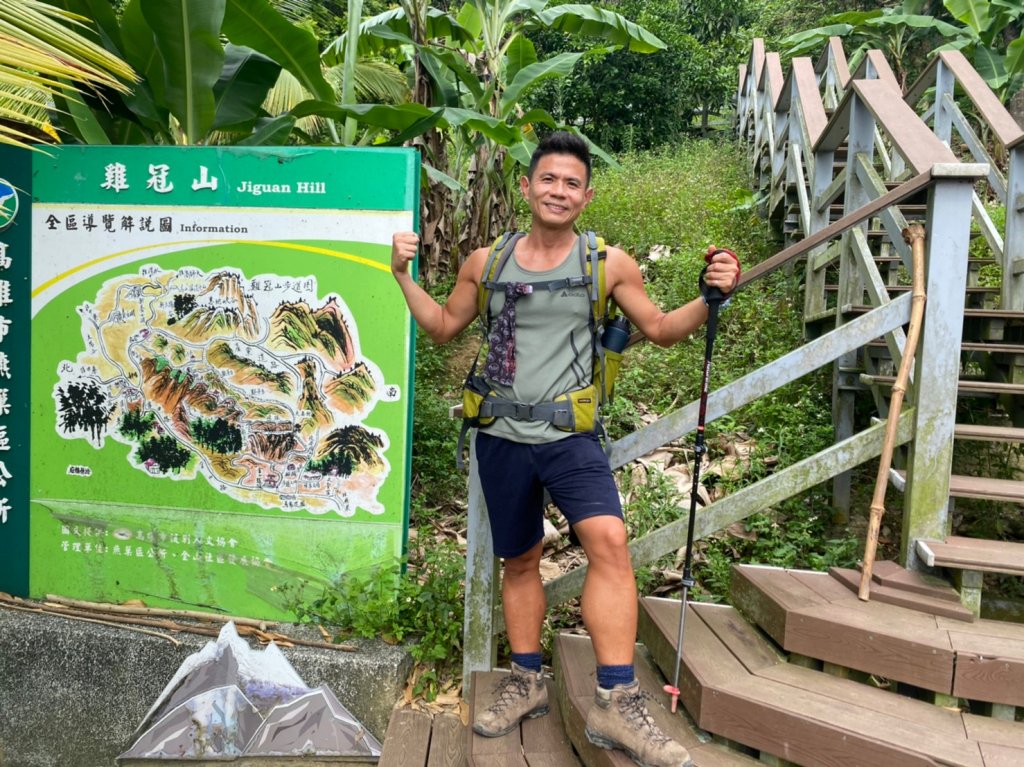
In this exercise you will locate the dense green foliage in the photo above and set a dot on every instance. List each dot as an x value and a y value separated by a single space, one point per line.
625 102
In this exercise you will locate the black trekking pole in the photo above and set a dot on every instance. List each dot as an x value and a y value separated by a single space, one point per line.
714 299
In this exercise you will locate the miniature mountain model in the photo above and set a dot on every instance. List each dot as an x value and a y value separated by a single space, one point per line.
228 701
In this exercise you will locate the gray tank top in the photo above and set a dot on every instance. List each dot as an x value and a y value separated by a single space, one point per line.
553 346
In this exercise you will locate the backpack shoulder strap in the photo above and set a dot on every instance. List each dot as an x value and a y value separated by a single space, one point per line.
593 253
501 250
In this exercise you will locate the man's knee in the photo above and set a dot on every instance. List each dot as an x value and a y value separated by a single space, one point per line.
603 537
524 565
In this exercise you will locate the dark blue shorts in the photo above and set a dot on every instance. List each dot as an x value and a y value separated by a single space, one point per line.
514 475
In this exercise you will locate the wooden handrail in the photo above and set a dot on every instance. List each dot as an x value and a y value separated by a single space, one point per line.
1005 129
811 105
882 71
756 58
772 78
903 191
838 55
911 137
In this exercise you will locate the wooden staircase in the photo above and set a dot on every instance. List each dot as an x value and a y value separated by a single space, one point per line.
801 672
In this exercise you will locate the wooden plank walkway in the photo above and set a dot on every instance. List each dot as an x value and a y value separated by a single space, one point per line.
738 686
419 739
540 742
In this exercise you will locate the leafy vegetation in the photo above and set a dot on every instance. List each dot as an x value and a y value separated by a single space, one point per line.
424 603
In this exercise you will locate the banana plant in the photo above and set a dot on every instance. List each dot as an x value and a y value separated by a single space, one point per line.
477 66
983 36
193 83
892 30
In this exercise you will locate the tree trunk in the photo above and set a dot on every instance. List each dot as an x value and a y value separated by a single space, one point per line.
1016 107
437 252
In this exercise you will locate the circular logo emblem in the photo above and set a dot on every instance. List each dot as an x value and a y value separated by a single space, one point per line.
8 204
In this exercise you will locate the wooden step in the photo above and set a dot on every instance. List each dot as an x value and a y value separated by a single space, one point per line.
418 739
985 433
969 346
917 595
575 680
974 290
965 386
983 488
813 615
974 553
745 693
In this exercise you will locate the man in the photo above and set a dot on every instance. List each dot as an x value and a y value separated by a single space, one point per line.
518 459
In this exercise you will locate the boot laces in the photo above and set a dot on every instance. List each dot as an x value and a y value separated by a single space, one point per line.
633 707
511 688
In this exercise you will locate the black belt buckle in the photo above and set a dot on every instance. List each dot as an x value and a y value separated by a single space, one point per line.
524 412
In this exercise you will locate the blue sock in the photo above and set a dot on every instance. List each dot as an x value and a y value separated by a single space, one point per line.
609 676
528 660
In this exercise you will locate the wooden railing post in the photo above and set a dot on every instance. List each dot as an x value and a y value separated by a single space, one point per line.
845 375
1013 243
478 643
930 457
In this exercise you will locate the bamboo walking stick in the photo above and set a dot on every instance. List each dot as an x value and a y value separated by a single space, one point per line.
913 235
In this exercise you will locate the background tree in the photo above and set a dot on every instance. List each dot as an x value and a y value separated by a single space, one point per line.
637 102
479 65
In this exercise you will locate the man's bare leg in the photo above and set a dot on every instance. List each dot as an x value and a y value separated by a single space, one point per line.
619 718
523 600
609 591
523 693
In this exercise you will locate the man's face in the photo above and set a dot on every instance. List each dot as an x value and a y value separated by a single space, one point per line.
558 191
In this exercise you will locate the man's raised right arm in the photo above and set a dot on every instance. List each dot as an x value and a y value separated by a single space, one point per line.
441 323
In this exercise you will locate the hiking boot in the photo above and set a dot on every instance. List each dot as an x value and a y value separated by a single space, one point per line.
619 719
517 696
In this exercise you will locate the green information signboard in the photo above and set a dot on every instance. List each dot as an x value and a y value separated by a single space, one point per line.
205 371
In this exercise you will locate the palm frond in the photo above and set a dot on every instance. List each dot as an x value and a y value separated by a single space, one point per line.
43 53
377 82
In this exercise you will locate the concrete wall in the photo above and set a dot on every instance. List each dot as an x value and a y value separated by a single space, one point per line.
73 693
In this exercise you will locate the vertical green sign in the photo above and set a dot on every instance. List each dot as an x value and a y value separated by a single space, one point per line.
221 372
15 300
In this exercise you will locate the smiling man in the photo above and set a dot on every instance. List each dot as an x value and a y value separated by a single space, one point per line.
542 348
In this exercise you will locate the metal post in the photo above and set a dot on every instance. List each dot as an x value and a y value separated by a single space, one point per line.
846 369
937 371
478 643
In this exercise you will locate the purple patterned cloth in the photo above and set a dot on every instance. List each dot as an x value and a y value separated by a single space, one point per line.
500 365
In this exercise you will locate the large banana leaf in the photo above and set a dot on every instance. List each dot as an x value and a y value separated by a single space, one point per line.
391 29
597 22
557 66
973 13
397 117
458 66
148 98
186 33
1015 58
915 22
242 86
494 129
519 54
258 25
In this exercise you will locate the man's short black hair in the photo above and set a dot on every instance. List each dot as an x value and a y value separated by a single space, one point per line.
561 142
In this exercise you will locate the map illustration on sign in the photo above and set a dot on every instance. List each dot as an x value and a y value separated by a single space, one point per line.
214 387
254 384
